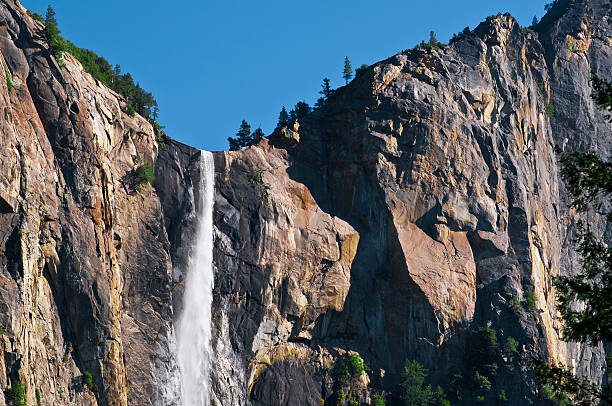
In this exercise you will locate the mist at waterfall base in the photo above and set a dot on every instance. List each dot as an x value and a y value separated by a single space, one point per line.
193 331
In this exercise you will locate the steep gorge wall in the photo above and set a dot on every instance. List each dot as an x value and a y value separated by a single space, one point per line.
443 162
416 205
85 281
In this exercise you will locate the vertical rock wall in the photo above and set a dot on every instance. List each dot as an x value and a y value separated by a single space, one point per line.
422 202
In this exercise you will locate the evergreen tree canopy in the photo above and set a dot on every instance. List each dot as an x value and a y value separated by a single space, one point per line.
433 41
299 112
326 89
347 74
50 16
414 391
361 69
244 138
257 135
138 100
283 118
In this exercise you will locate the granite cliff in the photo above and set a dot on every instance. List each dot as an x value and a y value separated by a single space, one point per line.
419 209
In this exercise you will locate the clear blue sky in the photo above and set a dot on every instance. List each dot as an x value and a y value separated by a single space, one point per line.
212 63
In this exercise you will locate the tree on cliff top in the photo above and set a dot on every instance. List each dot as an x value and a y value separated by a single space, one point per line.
50 16
347 74
283 118
585 299
51 31
244 137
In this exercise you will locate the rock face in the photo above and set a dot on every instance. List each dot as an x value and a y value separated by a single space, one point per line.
85 282
420 205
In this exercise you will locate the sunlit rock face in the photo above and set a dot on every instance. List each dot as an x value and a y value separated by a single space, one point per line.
408 211
84 257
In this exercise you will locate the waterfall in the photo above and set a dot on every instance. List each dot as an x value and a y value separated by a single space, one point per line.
194 324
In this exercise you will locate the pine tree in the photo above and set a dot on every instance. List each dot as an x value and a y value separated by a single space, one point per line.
348 70
50 16
243 137
326 89
299 112
51 31
283 119
433 41
243 133
535 21
257 135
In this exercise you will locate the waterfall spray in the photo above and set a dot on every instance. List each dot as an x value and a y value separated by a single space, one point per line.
194 325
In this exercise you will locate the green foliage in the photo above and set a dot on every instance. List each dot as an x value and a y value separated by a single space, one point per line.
283 119
340 397
356 365
561 385
485 341
413 389
482 383
9 83
50 16
511 345
434 44
37 394
36 16
299 112
570 44
131 111
360 70
456 385
244 138
326 89
378 400
144 174
59 57
257 179
530 299
88 381
501 396
2 329
602 93
589 181
550 110
141 101
347 368
160 134
347 73
256 136
466 31
584 298
515 306
326 92
560 399
433 41
15 395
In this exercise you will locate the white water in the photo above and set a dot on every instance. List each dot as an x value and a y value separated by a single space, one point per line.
193 332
